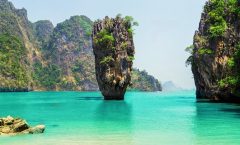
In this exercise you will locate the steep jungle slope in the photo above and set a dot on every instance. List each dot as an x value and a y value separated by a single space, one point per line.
17 49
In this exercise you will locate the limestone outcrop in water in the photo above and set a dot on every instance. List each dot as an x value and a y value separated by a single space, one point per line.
216 52
113 48
15 126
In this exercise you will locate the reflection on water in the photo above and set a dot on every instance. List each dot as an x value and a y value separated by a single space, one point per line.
115 111
114 118
217 124
235 110
89 98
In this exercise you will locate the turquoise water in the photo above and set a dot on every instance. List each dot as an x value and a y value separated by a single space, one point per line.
75 118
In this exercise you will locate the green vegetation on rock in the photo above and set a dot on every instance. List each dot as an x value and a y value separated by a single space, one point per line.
217 11
232 79
131 58
228 82
142 81
43 30
189 60
46 76
13 64
69 28
104 38
130 22
106 60
203 51
216 19
231 62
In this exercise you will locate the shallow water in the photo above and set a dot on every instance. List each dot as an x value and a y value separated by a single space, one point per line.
83 118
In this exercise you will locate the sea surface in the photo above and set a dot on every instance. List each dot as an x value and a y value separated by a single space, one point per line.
84 118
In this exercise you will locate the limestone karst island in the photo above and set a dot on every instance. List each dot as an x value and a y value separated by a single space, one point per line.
123 72
114 54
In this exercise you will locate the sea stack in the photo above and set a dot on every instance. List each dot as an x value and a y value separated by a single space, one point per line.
114 54
215 55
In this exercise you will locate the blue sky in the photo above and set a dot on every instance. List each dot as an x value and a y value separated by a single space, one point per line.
166 29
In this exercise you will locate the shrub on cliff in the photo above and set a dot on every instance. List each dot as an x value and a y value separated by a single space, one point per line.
104 39
13 63
48 76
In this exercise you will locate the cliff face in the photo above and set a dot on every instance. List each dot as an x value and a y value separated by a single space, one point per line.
39 56
13 65
67 50
215 57
17 49
42 31
113 49
70 49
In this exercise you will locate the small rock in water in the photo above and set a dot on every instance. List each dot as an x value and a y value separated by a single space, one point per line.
14 126
36 130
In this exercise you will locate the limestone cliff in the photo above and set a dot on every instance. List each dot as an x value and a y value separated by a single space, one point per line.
216 52
39 56
70 49
17 49
113 49
43 30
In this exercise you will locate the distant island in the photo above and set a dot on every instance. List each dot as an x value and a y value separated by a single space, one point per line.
38 56
170 86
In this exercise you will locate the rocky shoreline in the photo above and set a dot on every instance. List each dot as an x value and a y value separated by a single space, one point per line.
15 126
